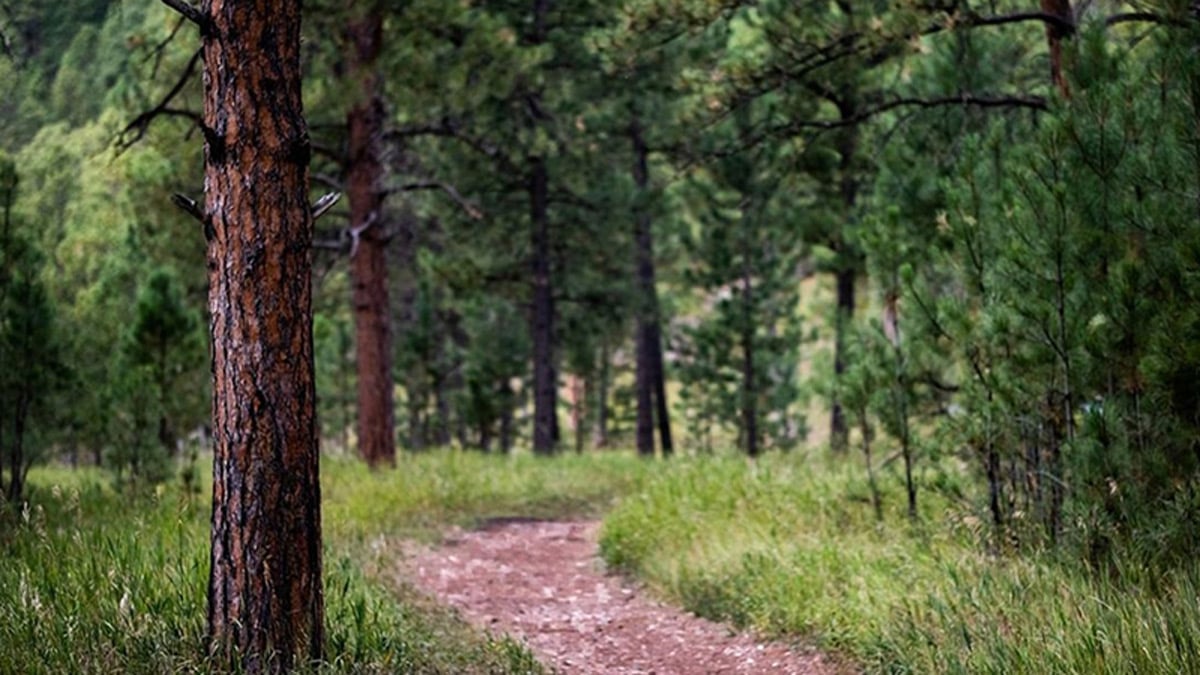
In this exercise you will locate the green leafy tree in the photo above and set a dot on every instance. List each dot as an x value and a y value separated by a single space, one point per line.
164 340
29 347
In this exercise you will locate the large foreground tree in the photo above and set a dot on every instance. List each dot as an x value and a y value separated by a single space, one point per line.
265 602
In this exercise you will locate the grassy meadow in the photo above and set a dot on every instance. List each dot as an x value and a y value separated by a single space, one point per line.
792 549
95 580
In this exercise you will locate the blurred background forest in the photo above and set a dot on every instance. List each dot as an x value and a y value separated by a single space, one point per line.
954 243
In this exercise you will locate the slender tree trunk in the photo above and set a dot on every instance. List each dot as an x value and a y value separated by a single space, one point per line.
545 379
663 412
749 381
650 376
368 264
845 279
838 429
507 403
545 385
647 297
265 600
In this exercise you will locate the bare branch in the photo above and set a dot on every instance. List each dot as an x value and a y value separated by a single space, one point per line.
189 12
194 210
326 202
161 48
472 210
356 232
189 206
136 129
964 99
1017 17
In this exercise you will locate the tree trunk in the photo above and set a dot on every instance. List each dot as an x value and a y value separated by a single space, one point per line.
265 600
1054 38
578 388
545 388
749 383
839 431
545 380
368 264
650 376
507 403
658 368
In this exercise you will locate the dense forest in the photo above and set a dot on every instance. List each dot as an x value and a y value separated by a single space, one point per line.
954 244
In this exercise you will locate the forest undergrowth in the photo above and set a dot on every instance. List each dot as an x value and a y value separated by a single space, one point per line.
99 580
95 579
790 546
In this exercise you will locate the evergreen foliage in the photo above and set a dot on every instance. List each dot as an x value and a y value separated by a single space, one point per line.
999 211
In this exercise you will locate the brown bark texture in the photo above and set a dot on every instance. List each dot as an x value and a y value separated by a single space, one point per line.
265 600
368 266
1054 38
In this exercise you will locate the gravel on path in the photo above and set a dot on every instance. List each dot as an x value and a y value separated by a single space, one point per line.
542 582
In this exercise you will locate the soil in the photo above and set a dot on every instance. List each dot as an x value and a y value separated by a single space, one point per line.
543 583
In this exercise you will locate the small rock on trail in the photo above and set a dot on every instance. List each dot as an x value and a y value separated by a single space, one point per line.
542 582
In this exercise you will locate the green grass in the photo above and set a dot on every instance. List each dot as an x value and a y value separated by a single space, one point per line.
92 581
791 548
428 491
95 581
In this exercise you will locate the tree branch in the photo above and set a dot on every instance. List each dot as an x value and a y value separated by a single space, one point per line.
1011 101
974 20
189 12
326 202
140 124
472 210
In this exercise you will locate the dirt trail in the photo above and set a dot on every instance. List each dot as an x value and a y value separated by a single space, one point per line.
543 583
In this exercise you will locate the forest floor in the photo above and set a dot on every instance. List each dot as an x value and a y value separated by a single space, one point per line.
542 582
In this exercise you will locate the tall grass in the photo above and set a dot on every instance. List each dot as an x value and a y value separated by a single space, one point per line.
92 580
791 548
430 490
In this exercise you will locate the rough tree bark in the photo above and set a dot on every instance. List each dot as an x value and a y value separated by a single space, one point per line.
650 377
368 266
265 600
